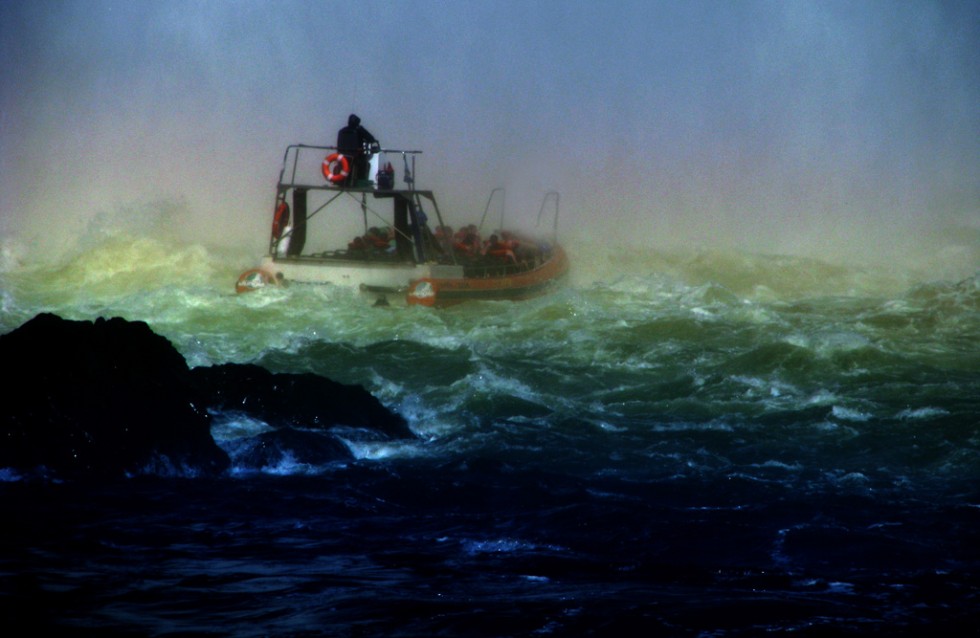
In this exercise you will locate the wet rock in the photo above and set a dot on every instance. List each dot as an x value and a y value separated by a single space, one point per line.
301 400
111 398
102 398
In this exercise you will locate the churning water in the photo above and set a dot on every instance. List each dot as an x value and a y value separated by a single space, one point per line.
708 443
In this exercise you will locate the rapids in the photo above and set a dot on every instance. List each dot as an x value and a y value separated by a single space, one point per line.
720 423
638 347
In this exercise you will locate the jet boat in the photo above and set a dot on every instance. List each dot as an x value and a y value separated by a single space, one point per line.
392 241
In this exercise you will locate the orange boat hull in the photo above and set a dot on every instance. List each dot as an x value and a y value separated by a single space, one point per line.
431 291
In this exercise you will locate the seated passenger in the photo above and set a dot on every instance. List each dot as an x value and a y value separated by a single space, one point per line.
377 239
500 251
509 241
467 242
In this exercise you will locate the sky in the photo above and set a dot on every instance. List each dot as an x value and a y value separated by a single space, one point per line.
838 129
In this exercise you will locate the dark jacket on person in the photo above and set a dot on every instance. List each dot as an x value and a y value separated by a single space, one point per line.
350 143
351 138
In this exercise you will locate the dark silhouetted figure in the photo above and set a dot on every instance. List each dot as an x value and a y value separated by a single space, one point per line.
357 144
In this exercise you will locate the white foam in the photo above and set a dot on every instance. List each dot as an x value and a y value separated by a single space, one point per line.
230 426
921 414
849 414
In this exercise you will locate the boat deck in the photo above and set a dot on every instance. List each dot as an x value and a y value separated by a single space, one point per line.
480 267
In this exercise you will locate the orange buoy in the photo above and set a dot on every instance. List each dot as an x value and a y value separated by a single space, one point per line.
336 167
280 220
254 279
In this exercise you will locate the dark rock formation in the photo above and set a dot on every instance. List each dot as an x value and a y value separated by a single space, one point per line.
110 398
301 400
100 398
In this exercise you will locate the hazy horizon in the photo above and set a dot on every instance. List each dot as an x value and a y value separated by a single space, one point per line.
828 129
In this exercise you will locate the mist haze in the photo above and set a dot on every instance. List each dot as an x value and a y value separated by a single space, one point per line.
749 409
836 130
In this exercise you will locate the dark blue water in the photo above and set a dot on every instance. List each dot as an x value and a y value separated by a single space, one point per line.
481 548
723 446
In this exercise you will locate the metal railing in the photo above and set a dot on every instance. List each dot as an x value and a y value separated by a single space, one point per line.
303 165
302 170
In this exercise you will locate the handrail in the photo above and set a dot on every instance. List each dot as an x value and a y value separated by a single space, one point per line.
554 230
295 149
503 208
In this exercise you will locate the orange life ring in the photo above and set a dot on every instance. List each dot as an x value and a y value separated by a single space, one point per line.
280 220
330 165
254 279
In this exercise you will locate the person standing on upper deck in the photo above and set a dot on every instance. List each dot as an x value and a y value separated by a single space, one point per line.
357 144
